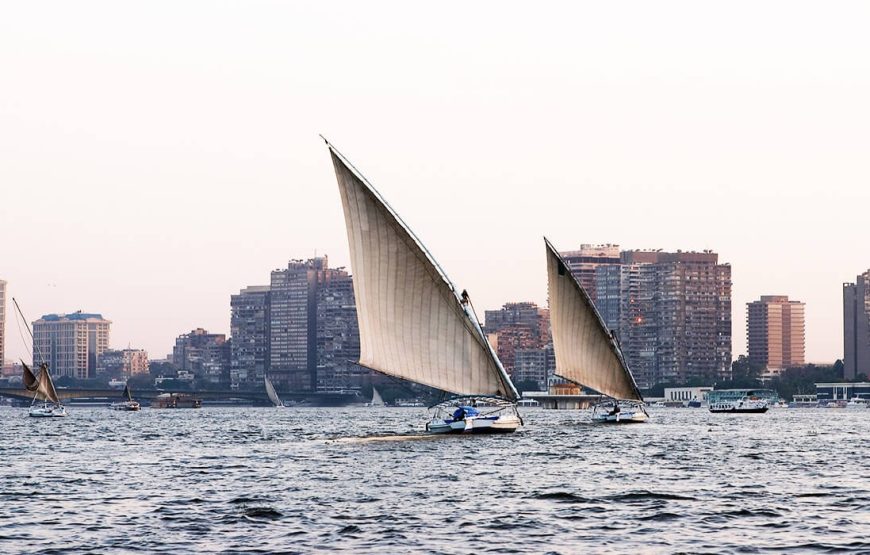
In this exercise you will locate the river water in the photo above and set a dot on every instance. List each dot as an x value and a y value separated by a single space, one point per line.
366 480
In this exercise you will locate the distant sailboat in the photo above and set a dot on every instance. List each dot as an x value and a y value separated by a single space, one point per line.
128 404
413 322
377 401
273 395
45 402
586 352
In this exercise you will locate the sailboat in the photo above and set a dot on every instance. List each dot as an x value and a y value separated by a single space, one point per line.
128 404
46 403
273 395
586 352
377 400
413 322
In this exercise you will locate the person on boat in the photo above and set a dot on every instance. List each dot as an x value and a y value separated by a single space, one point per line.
615 410
459 414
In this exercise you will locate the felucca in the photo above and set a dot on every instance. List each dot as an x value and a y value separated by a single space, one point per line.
128 404
586 352
46 403
413 322
273 395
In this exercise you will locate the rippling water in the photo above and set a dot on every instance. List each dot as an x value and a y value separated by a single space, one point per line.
364 480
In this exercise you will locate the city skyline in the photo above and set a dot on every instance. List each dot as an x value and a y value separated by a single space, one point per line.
151 179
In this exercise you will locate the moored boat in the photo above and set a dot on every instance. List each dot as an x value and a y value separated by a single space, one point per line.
414 323
176 401
735 401
587 354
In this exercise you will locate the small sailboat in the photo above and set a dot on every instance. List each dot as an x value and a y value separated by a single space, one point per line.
273 395
586 352
128 404
413 322
46 403
377 401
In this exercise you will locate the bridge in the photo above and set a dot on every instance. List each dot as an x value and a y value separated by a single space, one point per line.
257 397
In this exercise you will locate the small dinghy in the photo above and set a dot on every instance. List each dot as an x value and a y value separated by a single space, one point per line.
587 353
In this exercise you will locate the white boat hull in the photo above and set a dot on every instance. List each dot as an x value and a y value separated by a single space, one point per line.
742 406
503 424
127 406
48 411
625 417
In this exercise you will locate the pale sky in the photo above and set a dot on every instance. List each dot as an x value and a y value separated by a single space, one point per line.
155 157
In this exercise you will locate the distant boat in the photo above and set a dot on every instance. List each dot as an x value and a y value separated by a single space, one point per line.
735 401
273 395
377 401
128 404
46 403
176 401
414 324
586 352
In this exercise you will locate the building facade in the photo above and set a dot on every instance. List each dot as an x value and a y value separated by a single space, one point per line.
71 344
775 333
314 333
520 332
856 327
123 363
203 354
670 311
585 262
250 325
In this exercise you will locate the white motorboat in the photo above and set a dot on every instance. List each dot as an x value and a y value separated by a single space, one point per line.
587 353
414 323
128 404
858 403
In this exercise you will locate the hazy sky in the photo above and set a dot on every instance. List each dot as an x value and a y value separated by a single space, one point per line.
155 157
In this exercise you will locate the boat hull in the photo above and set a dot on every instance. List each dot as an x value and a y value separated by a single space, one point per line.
621 418
47 412
735 410
127 406
504 424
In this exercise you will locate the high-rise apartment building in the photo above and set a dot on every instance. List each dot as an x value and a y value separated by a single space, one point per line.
517 327
775 333
584 263
856 327
71 344
671 312
250 324
123 363
2 322
314 333
203 354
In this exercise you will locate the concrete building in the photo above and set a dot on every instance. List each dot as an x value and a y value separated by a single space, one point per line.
856 327
584 263
845 391
203 354
775 333
250 325
123 363
71 344
517 327
671 312
314 333
686 394
2 322
537 365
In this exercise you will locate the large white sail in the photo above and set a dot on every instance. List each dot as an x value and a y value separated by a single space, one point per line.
413 323
586 353
270 391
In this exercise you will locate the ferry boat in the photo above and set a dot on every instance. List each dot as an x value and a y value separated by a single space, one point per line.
739 400
858 403
176 401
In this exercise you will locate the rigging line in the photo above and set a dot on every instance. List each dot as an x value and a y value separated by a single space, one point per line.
35 347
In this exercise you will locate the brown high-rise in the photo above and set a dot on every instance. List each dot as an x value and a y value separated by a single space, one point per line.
775 332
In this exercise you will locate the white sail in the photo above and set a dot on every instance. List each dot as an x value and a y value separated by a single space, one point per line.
377 401
586 353
413 323
270 391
